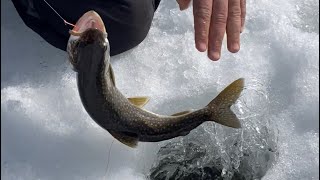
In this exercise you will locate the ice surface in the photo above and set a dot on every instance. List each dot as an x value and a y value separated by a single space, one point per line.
46 134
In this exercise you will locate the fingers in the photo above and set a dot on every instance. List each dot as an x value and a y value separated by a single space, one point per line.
217 28
234 26
202 10
212 18
183 4
243 13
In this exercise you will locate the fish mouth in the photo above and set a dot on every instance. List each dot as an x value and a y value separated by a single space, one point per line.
90 19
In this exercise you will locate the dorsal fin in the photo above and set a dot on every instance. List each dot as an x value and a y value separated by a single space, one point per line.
139 101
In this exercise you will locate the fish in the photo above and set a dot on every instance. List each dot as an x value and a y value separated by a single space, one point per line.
124 118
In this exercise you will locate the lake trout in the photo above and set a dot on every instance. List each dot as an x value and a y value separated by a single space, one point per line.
89 54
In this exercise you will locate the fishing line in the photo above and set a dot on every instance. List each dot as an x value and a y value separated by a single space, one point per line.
65 22
109 158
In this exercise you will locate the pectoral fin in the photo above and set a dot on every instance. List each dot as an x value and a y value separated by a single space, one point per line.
125 139
139 101
182 113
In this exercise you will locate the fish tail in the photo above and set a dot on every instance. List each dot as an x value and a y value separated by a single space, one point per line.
219 107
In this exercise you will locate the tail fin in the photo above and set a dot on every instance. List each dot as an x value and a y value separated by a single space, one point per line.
220 106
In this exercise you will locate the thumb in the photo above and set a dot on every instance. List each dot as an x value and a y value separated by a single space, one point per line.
183 4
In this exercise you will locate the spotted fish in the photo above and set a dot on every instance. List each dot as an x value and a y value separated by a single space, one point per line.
124 118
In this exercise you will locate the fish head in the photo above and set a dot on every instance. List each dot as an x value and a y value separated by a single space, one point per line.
89 31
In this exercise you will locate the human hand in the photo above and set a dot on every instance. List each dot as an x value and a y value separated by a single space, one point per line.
214 18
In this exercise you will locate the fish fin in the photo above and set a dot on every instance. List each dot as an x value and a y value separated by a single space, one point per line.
139 101
219 107
125 139
112 75
182 113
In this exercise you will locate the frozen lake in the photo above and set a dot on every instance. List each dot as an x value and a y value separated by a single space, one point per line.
46 133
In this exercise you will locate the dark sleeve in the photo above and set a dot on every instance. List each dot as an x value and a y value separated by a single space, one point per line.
127 21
